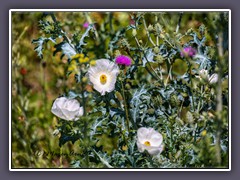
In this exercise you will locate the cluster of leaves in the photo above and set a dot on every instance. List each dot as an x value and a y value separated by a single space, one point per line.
161 89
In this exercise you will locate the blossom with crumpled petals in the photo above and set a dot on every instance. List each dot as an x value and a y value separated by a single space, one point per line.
205 76
150 140
67 109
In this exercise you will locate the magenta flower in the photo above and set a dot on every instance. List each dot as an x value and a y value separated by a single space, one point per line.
132 22
188 51
123 60
85 25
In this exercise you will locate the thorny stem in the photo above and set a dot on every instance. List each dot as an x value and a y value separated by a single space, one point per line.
60 160
90 21
125 106
169 75
85 122
158 78
179 22
149 37
219 100
200 100
62 32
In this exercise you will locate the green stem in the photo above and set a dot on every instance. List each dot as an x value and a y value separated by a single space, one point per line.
140 49
125 106
200 100
148 35
169 75
61 164
85 123
219 101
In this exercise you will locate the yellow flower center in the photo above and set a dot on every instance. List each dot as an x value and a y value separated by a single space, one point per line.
147 143
103 79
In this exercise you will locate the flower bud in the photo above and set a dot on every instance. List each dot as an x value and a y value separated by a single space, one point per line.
162 36
84 79
92 63
119 96
117 53
151 111
156 50
150 28
189 31
55 132
128 86
159 59
204 133
134 32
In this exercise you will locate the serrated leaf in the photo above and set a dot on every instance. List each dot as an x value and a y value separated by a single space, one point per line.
86 34
136 102
39 44
149 57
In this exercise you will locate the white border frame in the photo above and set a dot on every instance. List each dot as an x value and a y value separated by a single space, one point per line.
113 10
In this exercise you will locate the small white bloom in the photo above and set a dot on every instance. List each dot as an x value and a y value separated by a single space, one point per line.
68 109
150 140
103 75
205 76
213 78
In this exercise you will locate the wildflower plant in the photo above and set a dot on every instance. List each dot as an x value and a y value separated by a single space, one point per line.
139 97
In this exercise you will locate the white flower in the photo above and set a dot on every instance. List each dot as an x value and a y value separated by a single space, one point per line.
150 140
103 75
68 109
213 78
204 75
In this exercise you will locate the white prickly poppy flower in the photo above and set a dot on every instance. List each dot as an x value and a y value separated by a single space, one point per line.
204 75
213 78
103 75
150 140
67 109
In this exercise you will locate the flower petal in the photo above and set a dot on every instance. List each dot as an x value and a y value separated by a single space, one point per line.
107 68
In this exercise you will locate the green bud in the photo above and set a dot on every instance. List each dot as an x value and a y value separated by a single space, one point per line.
179 121
189 117
151 111
189 31
158 58
117 53
156 50
150 28
184 94
128 86
110 52
134 32
90 95
84 79
178 154
162 36
119 96
56 132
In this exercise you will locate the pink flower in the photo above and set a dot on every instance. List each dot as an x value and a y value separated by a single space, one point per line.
132 22
85 25
123 60
188 51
